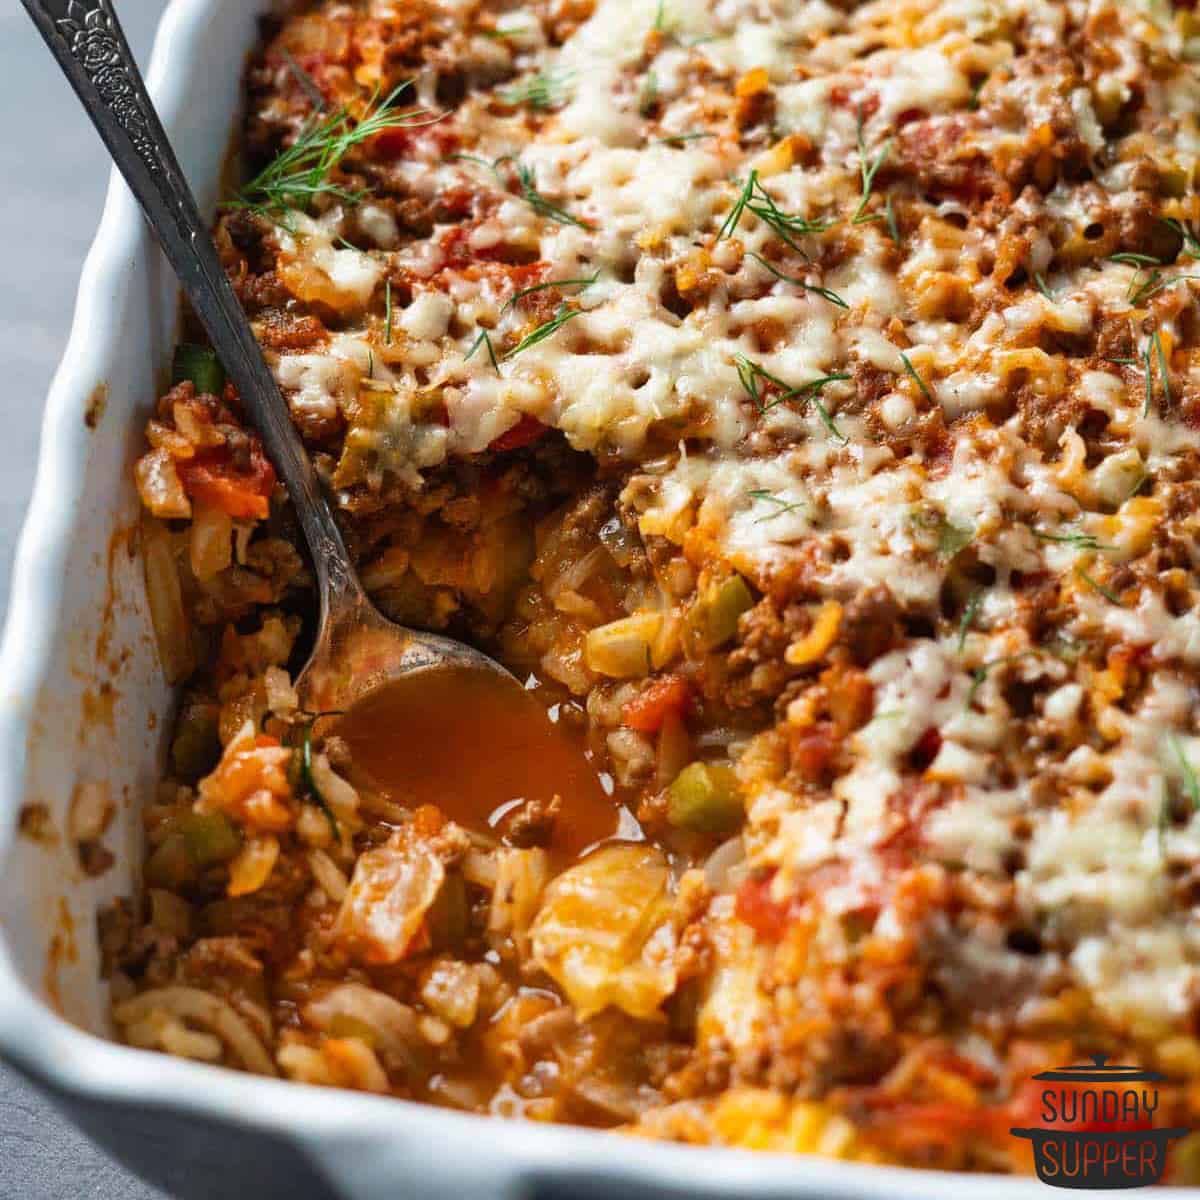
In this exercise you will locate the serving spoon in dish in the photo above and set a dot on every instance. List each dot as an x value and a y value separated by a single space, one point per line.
358 654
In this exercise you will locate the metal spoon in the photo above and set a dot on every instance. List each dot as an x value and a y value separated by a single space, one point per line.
357 649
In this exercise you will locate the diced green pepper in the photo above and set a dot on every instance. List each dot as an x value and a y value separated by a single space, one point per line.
199 364
704 798
209 838
170 865
713 618
197 746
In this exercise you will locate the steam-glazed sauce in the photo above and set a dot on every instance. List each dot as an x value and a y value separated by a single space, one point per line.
479 747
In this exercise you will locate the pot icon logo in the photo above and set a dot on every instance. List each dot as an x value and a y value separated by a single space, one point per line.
1097 1127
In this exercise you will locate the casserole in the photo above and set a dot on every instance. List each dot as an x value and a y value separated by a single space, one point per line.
312 1141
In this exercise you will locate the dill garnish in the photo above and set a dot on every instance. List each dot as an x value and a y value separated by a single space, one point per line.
301 172
1040 283
305 80
911 371
680 139
541 205
890 216
545 330
387 302
1164 818
306 774
1154 345
1096 586
980 673
968 618
1154 283
823 292
782 506
786 226
1191 783
550 283
484 338
660 17
545 90
1135 260
1076 538
868 171
1191 241
649 94
749 373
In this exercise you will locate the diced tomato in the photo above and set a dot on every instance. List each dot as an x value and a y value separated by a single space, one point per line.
392 143
767 917
213 479
524 433
812 751
646 712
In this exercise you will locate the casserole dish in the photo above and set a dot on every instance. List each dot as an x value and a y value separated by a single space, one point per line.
81 674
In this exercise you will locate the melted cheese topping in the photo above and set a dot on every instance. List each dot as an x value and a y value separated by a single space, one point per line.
1007 402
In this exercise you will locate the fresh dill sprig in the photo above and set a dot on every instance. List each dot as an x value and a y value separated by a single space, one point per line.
660 17
681 139
749 373
786 226
1156 338
1130 259
1155 283
310 783
911 371
1076 538
1191 783
824 292
307 84
980 673
1122 362
541 205
1040 283
781 506
970 612
1191 241
387 303
517 296
1098 587
484 338
889 214
1164 818
545 330
649 94
1154 346
868 170
301 172
546 90
512 31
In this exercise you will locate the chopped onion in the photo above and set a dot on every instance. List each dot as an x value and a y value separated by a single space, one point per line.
726 867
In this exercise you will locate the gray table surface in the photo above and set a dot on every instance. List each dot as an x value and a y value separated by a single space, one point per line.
55 172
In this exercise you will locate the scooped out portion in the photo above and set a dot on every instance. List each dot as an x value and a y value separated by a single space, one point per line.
488 753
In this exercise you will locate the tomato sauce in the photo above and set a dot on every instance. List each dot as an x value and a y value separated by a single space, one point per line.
477 745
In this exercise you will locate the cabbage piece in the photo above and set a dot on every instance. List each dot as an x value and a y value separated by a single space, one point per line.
389 894
605 932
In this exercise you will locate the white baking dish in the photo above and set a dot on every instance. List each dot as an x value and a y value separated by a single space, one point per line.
78 626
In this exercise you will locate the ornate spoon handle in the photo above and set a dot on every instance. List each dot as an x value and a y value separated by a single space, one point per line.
86 39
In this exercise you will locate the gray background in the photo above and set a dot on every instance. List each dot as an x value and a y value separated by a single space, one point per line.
55 172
